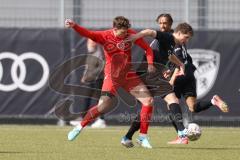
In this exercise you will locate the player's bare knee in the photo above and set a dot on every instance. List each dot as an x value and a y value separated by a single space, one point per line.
148 101
104 104
171 98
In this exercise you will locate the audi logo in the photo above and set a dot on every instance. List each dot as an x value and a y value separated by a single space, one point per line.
18 63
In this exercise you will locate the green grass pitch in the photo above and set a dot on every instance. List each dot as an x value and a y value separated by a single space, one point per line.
50 143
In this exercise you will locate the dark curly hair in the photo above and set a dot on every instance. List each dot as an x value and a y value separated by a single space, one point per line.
167 15
121 22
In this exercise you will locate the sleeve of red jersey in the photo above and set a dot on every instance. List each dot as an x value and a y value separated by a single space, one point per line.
94 35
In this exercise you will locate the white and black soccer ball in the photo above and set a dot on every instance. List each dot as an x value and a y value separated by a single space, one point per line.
194 131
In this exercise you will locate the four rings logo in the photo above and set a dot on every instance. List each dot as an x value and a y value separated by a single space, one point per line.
207 63
18 63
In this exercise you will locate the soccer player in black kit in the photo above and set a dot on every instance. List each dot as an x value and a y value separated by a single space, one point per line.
184 85
167 42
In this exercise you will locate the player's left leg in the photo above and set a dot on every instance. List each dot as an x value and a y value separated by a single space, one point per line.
135 126
158 88
176 119
141 93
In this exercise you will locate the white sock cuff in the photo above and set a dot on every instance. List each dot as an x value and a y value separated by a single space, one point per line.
212 101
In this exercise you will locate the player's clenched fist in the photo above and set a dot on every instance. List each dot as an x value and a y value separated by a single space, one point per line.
69 23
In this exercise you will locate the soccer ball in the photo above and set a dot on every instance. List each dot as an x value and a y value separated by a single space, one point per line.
194 132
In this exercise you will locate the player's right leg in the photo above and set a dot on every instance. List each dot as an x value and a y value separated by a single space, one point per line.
217 101
204 105
189 91
158 88
104 105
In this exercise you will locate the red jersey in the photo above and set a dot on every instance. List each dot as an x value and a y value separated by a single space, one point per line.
117 52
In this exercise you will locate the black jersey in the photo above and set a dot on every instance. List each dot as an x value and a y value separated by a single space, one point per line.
181 52
185 85
163 46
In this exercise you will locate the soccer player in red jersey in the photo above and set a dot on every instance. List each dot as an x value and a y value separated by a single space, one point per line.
117 73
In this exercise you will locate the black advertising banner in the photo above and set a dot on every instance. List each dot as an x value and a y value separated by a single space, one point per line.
216 54
27 58
40 68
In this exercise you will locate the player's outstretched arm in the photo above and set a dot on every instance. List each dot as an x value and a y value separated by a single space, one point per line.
81 30
148 33
143 33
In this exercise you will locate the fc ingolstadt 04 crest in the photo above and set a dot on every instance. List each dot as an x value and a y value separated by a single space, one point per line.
207 63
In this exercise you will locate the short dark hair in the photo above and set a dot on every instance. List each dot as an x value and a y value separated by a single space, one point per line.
121 22
184 28
167 15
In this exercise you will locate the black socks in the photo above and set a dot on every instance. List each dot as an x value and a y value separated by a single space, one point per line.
201 106
176 116
135 126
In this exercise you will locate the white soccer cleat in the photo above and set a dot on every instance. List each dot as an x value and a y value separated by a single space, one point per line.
144 142
217 101
74 133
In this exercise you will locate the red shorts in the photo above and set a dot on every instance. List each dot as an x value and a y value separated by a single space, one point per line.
128 82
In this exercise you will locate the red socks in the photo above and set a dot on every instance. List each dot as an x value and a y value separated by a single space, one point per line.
145 116
90 116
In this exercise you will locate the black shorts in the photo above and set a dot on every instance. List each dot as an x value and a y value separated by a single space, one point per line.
185 86
157 85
